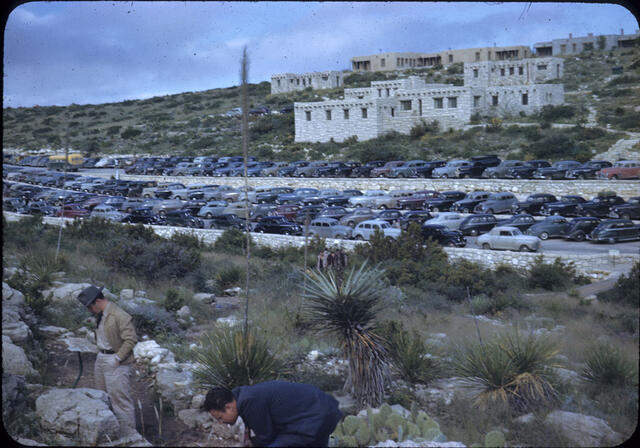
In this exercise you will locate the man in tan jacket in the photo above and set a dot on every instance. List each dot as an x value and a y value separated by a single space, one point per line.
115 338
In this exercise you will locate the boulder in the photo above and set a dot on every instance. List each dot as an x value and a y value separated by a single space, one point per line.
126 294
175 386
68 292
14 359
149 351
12 324
11 296
196 419
184 312
13 394
204 297
52 331
346 404
584 430
82 415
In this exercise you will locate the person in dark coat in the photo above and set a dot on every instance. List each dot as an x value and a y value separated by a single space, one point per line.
278 412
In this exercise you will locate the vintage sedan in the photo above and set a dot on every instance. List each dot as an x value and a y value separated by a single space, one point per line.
550 227
279 225
508 238
329 228
373 199
443 235
357 216
522 221
630 210
451 220
212 208
366 229
614 230
476 224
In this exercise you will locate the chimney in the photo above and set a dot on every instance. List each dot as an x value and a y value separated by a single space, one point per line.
622 31
570 36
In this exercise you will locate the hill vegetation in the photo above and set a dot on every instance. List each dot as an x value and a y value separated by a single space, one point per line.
195 123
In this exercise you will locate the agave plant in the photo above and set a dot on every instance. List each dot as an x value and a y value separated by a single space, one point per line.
606 365
510 371
347 308
228 358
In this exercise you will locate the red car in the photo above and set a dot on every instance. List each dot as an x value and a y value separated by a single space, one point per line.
73 211
417 200
289 211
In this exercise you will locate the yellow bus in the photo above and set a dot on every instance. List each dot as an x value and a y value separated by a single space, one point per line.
74 159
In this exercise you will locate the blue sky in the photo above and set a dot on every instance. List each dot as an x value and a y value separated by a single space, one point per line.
59 53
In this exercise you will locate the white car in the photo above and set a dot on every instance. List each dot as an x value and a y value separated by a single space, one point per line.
373 199
451 220
508 238
366 229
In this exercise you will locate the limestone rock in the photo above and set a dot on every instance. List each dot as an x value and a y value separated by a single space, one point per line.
82 415
196 419
14 359
175 386
205 297
584 430
184 312
68 292
13 394
11 296
126 294
52 331
150 351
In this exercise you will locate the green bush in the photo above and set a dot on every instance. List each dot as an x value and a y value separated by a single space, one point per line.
173 300
232 241
229 277
551 276
626 289
606 365
551 113
151 320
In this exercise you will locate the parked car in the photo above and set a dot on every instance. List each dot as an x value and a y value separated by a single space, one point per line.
615 230
588 170
12 204
182 218
335 212
73 211
579 228
476 224
443 235
270 196
526 171
259 211
488 160
357 216
383 170
272 170
365 170
550 227
470 201
417 216
630 210
287 171
310 170
279 225
522 221
407 169
417 200
566 206
309 213
392 216
556 171
373 199
533 203
443 201
623 169
599 206
296 196
501 170
508 238
497 203
143 215
228 221
107 212
366 229
337 169
451 220
289 211
474 169
329 228
451 169
212 208
39 208
427 170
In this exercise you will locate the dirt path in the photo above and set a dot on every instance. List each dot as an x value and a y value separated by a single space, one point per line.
63 368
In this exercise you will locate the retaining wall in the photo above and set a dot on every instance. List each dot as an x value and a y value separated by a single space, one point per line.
596 266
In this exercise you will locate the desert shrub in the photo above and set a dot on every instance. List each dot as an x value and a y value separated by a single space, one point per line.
232 241
227 357
229 277
130 132
423 128
551 113
551 276
626 289
151 319
606 365
173 300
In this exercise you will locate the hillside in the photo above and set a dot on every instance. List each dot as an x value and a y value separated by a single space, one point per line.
194 123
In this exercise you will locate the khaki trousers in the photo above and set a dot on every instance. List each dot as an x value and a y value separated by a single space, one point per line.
115 380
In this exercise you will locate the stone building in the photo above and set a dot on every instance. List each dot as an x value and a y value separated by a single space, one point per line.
575 45
289 82
404 61
398 105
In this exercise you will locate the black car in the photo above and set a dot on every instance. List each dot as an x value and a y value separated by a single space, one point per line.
390 215
443 201
443 236
599 206
566 206
526 171
556 171
269 197
470 201
194 206
279 225
143 215
182 218
426 170
228 220
522 221
288 170
308 212
13 204
580 227
335 212
630 210
39 208
476 224
550 227
614 230
418 216
533 203
588 170
475 169
486 160
365 170
334 169
337 200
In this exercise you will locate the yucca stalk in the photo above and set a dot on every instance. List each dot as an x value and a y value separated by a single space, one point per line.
348 309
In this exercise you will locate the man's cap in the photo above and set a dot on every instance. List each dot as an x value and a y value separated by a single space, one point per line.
88 295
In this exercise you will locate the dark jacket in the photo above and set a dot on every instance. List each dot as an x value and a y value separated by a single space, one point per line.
276 408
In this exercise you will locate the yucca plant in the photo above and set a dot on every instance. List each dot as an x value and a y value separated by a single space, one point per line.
347 308
226 358
509 371
606 365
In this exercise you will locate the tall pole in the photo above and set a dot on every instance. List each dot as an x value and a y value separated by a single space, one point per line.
64 167
245 152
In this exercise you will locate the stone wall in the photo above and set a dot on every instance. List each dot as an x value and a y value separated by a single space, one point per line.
512 72
289 82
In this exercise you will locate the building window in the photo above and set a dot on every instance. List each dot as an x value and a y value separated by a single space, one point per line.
379 92
476 101
475 72
308 115
387 91
278 83
399 62
325 77
405 105
542 66
364 112
383 62
573 46
563 48
494 100
452 102
450 58
477 55
304 82
328 112
437 103
511 70
393 112
588 46
525 99
520 71
346 113
501 72
298 81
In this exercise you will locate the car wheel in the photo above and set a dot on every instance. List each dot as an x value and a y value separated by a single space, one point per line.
490 211
301 175
580 176
465 210
494 176
383 207
209 215
451 244
547 177
524 248
339 236
518 176
445 176
544 236
614 177
359 238
401 175
589 213
435 209
486 246
351 224
465 176
626 216
555 213
474 232
162 213
612 240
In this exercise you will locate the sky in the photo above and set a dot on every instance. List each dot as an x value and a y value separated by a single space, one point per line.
62 53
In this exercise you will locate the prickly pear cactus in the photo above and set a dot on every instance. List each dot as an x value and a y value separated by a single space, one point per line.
495 438
363 434
350 425
412 430
414 412
385 410
431 433
348 441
